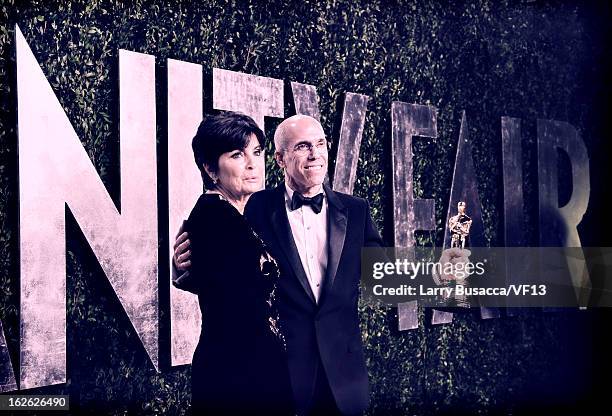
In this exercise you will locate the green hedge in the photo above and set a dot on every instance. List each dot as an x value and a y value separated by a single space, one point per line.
517 58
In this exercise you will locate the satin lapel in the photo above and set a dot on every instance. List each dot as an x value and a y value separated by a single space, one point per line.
337 232
282 229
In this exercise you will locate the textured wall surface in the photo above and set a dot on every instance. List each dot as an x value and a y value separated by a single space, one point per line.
523 59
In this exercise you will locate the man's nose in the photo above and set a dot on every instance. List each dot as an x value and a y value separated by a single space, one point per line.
314 152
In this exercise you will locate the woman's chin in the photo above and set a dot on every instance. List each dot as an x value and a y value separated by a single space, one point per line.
252 187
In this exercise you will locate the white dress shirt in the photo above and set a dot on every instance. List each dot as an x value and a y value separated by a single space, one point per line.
309 231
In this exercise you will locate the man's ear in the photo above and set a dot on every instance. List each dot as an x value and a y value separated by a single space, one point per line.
278 156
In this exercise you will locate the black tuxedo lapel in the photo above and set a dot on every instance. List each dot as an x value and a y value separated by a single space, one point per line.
337 215
282 229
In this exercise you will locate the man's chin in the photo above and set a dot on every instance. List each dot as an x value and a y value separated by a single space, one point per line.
316 178
315 183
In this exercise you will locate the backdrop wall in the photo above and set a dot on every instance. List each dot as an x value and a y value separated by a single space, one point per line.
524 59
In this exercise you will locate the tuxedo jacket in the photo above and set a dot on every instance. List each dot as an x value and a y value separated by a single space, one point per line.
326 332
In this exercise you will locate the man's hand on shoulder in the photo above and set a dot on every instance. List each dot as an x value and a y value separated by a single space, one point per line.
182 252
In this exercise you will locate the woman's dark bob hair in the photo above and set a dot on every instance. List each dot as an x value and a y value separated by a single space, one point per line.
221 133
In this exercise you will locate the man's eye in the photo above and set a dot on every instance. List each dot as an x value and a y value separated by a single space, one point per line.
301 146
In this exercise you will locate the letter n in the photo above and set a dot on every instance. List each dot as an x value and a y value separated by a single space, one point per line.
55 171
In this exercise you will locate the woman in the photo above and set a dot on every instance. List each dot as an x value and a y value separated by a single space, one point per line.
238 366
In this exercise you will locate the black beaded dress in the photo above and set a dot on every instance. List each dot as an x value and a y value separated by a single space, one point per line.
239 365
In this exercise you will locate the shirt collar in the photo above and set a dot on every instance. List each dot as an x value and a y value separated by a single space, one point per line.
289 193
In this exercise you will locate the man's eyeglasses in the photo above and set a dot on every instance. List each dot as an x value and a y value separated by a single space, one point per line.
305 147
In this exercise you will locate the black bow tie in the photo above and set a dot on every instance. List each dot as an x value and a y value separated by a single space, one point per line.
316 202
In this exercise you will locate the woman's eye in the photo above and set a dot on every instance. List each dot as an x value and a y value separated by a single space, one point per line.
236 155
257 152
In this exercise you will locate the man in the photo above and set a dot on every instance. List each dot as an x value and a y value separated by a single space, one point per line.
316 236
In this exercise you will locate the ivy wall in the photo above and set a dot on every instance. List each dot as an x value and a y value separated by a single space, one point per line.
525 59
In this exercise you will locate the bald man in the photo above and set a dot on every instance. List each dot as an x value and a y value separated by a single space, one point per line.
316 236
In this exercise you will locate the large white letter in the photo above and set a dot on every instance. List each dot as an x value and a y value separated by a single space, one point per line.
559 225
409 213
184 188
465 188
306 101
255 96
54 170
7 376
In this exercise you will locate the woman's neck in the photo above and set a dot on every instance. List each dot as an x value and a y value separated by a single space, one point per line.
238 202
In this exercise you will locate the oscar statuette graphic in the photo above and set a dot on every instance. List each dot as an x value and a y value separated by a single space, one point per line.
452 271
459 226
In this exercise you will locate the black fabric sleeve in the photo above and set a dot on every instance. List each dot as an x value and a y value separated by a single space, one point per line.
205 261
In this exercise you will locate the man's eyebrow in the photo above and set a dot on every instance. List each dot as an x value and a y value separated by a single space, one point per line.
306 141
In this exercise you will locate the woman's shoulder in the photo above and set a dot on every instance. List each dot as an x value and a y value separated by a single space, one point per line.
208 201
210 209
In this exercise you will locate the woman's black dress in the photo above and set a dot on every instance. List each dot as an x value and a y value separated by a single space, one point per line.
239 365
